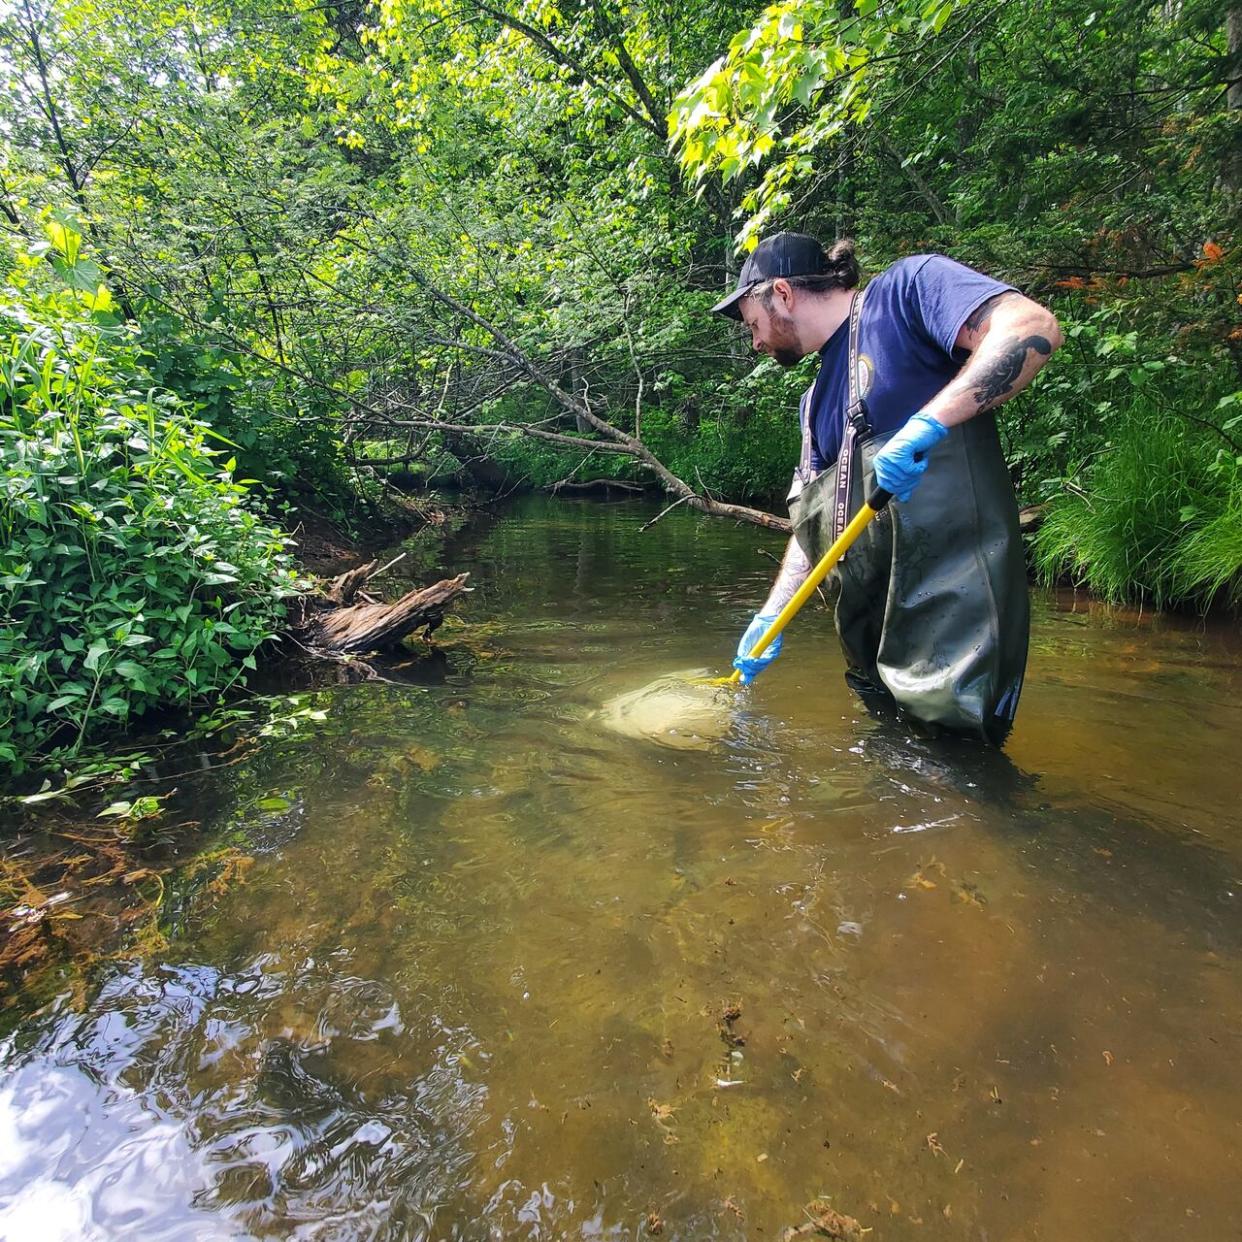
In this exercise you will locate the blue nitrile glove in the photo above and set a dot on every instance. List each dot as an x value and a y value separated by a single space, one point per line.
899 465
750 669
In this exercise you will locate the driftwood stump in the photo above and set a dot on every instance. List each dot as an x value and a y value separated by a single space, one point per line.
336 624
346 587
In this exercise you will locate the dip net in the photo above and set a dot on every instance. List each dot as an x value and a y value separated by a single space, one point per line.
681 710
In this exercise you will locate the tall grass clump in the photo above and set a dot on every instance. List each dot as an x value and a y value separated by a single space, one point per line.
1208 564
1157 517
133 573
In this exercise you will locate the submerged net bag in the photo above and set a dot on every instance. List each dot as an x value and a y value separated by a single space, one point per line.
682 710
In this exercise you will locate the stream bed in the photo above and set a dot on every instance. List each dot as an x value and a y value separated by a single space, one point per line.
494 970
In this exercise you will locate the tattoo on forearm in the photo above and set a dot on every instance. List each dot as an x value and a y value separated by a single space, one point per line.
996 376
794 570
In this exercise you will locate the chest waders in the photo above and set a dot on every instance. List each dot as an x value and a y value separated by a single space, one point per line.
931 602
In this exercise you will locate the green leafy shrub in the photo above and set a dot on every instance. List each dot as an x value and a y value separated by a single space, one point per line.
743 440
133 574
283 433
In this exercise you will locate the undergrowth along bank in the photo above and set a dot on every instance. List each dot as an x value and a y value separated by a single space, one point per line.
136 572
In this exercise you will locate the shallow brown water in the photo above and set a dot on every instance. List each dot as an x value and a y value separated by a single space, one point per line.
473 986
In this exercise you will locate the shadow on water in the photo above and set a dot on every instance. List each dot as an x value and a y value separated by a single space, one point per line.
498 971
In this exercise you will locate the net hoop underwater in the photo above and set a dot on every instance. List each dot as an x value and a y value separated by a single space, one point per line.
683 710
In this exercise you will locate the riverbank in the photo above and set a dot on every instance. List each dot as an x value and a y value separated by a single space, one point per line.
85 872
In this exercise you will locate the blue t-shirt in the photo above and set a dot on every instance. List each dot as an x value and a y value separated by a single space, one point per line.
911 316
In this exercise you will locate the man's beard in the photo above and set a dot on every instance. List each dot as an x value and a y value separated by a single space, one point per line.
789 351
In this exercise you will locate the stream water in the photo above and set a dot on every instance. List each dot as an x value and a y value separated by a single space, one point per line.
496 971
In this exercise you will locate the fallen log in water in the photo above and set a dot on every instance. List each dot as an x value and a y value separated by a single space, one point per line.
334 624
598 485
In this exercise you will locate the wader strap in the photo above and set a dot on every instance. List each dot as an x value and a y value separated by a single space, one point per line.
803 474
855 424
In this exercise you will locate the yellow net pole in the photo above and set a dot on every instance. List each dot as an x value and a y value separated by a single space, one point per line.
857 524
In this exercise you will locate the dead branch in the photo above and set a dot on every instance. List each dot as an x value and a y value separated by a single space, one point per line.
383 569
596 485
372 627
648 525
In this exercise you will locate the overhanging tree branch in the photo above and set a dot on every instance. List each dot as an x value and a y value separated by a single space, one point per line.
582 410
561 57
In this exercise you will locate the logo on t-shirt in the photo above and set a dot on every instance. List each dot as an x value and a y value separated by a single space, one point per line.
866 373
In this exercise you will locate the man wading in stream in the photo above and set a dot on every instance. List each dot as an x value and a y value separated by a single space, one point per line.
932 607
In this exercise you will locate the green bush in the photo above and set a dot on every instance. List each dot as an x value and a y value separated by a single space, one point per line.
133 574
283 433
743 441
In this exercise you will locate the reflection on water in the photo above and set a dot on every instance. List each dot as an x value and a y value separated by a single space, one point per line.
499 971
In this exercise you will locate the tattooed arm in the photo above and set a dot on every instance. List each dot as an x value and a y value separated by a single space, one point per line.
794 569
1008 339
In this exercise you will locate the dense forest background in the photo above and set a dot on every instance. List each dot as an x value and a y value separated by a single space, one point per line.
261 254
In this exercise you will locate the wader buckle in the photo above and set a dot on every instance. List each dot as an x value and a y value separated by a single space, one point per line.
857 418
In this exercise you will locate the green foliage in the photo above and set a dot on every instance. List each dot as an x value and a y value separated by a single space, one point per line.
1141 457
1110 371
282 435
789 86
742 441
133 573
1208 563
283 202
1035 135
1159 520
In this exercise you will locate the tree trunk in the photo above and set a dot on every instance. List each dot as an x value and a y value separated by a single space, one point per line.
573 366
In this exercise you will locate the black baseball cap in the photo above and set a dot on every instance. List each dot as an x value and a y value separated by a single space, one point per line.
782 254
